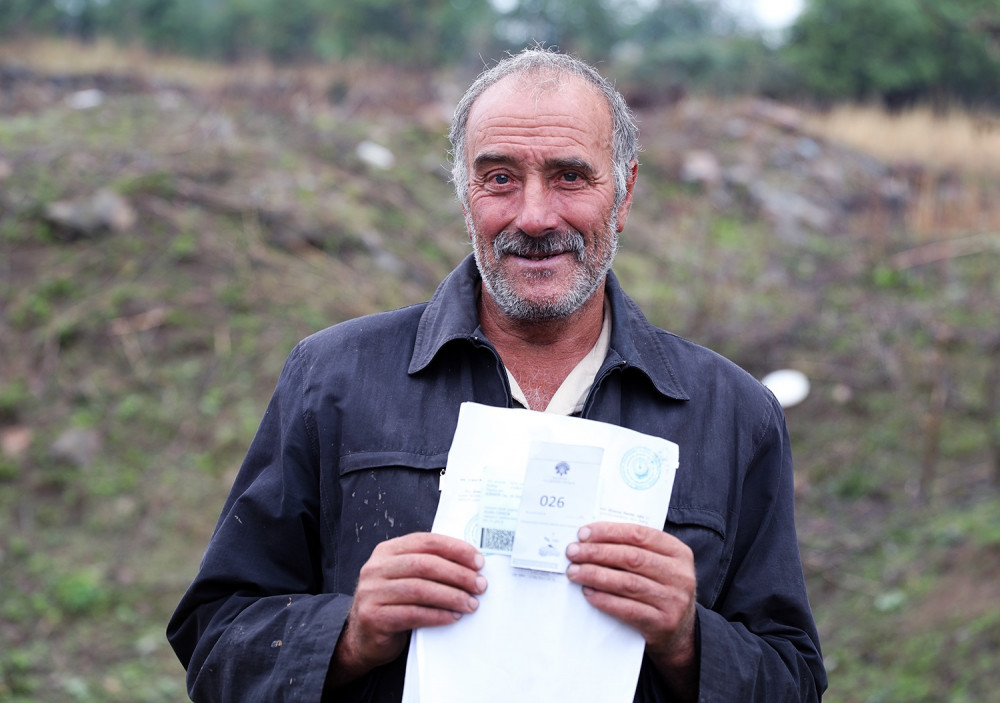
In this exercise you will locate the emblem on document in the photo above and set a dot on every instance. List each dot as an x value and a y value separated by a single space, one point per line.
641 468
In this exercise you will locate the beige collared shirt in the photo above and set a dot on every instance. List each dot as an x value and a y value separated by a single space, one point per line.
572 394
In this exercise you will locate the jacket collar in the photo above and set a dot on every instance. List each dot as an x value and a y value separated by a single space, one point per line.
451 314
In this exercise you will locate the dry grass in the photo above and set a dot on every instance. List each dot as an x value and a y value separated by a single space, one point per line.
376 88
107 57
948 164
102 56
956 141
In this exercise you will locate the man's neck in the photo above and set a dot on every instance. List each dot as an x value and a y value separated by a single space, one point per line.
541 354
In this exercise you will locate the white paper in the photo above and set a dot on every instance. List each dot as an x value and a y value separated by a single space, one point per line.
534 636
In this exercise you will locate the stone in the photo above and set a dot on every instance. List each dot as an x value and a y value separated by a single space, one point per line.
76 446
85 99
15 441
89 216
701 167
375 155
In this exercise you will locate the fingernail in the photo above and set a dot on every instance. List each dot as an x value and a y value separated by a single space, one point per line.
584 533
573 549
480 584
473 603
573 570
456 615
479 561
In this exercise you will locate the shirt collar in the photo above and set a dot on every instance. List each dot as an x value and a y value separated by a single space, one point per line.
451 314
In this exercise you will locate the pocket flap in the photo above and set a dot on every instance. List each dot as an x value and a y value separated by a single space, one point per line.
359 461
700 517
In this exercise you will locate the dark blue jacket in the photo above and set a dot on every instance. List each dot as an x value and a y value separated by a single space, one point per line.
350 451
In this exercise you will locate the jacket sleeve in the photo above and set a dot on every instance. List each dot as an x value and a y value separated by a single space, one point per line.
758 641
254 625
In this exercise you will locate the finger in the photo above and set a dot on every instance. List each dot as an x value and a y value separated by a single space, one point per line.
425 567
663 625
422 593
636 535
633 560
449 548
626 584
644 617
403 618
427 556
382 614
631 572
659 610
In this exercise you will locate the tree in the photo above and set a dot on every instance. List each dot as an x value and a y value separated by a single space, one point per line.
588 28
20 17
673 46
899 51
416 32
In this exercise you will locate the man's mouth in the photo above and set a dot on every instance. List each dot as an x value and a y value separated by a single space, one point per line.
517 244
540 257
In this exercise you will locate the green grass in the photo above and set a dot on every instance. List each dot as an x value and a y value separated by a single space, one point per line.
166 342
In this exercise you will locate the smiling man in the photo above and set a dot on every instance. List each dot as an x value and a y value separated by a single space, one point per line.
543 211
321 564
541 203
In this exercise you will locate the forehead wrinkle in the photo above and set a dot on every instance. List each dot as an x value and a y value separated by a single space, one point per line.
517 125
534 136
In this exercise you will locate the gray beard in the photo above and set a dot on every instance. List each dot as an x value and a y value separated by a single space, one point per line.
584 282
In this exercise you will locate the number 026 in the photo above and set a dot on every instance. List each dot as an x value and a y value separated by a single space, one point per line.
552 501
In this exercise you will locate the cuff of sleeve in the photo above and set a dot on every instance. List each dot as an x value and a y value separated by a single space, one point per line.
311 642
724 664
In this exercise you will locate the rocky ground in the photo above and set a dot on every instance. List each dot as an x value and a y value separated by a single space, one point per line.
162 246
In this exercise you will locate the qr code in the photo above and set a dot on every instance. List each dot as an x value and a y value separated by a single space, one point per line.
500 541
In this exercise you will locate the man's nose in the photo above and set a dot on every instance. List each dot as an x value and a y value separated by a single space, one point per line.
537 215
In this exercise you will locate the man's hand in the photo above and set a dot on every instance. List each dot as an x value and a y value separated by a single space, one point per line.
645 578
418 580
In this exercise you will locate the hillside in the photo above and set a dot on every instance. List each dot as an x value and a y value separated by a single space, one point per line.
164 243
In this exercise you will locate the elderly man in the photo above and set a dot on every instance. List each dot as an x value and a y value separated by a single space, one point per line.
321 564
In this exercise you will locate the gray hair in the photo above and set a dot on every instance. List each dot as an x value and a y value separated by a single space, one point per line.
625 136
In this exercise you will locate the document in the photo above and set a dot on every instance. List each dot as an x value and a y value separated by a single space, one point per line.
518 485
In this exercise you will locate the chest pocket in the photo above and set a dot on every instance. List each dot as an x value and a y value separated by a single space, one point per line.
704 531
384 494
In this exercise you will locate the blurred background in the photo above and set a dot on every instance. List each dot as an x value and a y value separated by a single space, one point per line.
188 187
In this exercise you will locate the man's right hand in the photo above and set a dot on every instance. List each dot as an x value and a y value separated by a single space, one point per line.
418 580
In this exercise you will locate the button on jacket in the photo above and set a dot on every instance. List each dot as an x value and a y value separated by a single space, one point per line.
349 453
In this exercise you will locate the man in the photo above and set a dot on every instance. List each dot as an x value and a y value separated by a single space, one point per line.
321 564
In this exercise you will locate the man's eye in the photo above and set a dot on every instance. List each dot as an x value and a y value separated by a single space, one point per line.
501 179
571 177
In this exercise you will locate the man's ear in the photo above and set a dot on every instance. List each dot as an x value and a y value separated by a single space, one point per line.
626 205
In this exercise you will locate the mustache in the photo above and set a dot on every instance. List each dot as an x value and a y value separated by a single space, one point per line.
519 243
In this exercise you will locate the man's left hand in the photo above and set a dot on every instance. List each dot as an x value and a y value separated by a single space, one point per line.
645 578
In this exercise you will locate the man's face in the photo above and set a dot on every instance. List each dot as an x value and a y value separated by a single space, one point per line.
541 210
